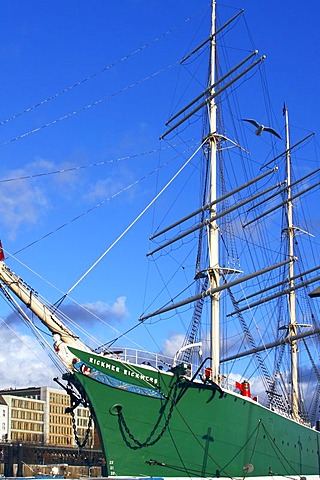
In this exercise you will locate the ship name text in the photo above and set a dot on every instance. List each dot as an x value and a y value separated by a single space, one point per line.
125 371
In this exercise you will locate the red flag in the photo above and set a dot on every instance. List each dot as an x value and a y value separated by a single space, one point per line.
239 386
1 252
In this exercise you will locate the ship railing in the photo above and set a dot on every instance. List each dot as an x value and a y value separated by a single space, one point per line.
145 358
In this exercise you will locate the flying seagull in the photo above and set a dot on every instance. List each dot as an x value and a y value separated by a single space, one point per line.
261 128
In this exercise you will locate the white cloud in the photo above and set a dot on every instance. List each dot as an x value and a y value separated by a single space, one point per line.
93 312
22 362
172 344
22 203
103 189
101 309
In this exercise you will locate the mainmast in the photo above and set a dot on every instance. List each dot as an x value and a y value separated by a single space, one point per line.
207 100
292 295
214 273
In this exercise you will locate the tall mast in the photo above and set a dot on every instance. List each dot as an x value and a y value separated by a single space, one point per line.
292 295
213 228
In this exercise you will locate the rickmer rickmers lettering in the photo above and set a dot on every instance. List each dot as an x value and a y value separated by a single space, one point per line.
124 371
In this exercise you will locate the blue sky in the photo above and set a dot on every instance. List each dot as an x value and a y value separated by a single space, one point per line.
88 83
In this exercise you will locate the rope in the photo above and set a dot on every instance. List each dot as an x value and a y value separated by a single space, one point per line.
93 75
256 430
36 332
136 219
86 107
283 460
81 167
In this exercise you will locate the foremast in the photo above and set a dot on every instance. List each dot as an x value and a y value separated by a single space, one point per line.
214 271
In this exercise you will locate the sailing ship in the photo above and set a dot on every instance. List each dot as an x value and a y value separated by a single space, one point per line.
194 415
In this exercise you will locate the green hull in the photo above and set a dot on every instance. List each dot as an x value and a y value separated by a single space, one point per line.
159 424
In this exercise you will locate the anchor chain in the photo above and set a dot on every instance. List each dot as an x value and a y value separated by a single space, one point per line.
76 398
75 431
148 442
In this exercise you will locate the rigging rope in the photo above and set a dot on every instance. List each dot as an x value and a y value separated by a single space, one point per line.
255 431
44 344
95 74
273 398
80 167
313 415
81 306
136 219
103 202
281 457
86 107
